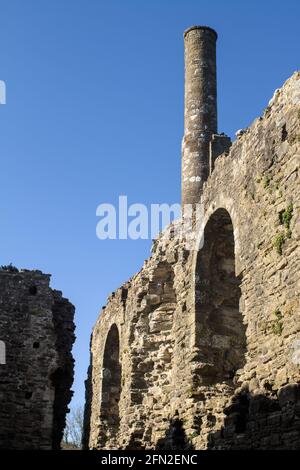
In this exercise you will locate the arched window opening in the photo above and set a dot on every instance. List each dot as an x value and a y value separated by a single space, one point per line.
111 385
221 338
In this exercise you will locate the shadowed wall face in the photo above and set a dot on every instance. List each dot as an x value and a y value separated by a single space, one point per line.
200 112
221 332
111 385
37 327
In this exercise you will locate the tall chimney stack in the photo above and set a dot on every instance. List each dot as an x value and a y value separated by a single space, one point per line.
200 109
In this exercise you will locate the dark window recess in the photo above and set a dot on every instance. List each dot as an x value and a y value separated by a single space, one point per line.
36 345
284 133
242 409
28 395
111 382
32 290
218 295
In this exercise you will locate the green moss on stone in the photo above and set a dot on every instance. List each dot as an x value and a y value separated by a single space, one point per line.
278 242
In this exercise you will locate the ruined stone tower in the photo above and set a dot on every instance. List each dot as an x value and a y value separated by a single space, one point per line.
200 111
36 372
204 342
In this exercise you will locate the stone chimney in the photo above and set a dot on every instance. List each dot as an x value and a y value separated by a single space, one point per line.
200 109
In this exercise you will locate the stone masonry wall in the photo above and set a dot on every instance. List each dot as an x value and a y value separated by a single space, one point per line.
36 325
208 340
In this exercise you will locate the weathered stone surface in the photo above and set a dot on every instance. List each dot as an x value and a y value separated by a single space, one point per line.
36 324
261 421
200 111
201 330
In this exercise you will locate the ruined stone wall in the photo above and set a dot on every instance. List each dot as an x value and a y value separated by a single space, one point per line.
36 325
208 340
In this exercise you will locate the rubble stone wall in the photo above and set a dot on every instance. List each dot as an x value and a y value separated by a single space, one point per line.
37 328
209 338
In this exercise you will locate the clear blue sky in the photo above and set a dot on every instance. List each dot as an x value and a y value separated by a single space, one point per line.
95 109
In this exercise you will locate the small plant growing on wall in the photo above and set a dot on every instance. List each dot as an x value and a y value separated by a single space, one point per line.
286 215
266 181
277 325
278 242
